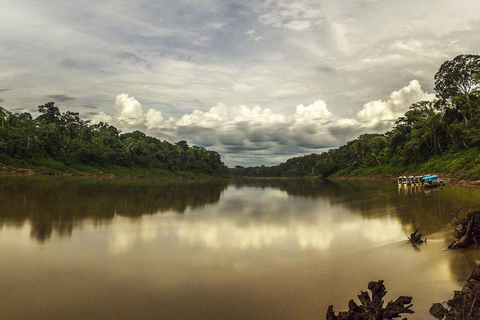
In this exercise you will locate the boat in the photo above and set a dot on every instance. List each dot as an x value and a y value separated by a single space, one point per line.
402 181
410 180
431 181
418 180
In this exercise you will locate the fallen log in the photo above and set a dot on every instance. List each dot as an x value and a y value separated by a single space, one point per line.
371 307
467 231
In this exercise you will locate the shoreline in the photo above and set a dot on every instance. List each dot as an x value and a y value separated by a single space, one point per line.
12 171
27 172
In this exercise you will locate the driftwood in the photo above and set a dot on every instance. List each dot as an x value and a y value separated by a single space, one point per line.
416 238
465 304
371 308
467 230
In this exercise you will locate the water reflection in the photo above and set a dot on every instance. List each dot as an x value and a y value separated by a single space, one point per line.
205 250
414 208
61 204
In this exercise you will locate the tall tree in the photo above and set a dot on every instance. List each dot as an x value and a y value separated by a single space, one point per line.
459 75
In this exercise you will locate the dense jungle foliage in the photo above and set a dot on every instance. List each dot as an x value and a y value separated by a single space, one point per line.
63 141
440 136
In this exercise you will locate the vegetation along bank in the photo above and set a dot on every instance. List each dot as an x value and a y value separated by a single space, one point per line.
56 142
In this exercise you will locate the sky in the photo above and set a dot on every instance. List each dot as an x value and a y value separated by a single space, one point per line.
258 81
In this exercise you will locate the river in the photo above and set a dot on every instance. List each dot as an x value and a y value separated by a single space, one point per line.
76 248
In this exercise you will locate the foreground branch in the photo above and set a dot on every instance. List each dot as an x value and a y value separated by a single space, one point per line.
371 308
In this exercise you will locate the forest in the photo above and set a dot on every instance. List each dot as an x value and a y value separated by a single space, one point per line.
65 142
441 136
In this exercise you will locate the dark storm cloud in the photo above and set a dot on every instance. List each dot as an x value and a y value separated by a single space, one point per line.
204 137
345 132
264 135
231 139
60 98
195 130
325 69
88 106
239 148
90 66
132 57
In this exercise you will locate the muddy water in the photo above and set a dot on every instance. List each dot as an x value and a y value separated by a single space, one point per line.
89 249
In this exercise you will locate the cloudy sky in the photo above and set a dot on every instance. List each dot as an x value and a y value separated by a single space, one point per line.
258 81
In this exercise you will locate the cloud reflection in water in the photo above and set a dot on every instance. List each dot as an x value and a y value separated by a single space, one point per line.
243 220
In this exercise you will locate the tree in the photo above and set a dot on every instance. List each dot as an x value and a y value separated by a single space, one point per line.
4 113
459 75
49 113
416 112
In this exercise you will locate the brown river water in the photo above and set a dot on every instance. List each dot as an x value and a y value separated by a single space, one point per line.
257 249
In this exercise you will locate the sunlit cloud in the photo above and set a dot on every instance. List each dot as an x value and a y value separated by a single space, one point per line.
383 114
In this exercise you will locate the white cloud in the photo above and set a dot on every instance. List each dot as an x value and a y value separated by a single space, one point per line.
155 120
102 117
317 112
128 110
257 115
213 118
297 25
384 113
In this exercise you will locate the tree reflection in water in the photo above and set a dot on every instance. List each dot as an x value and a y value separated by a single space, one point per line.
59 205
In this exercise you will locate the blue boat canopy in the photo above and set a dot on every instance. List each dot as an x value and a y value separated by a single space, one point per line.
430 177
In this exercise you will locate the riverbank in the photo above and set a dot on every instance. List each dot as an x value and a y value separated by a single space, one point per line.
111 172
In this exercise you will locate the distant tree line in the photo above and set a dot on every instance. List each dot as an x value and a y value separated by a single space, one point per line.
65 140
448 124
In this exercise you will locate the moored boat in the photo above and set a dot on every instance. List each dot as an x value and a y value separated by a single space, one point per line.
418 180
431 181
